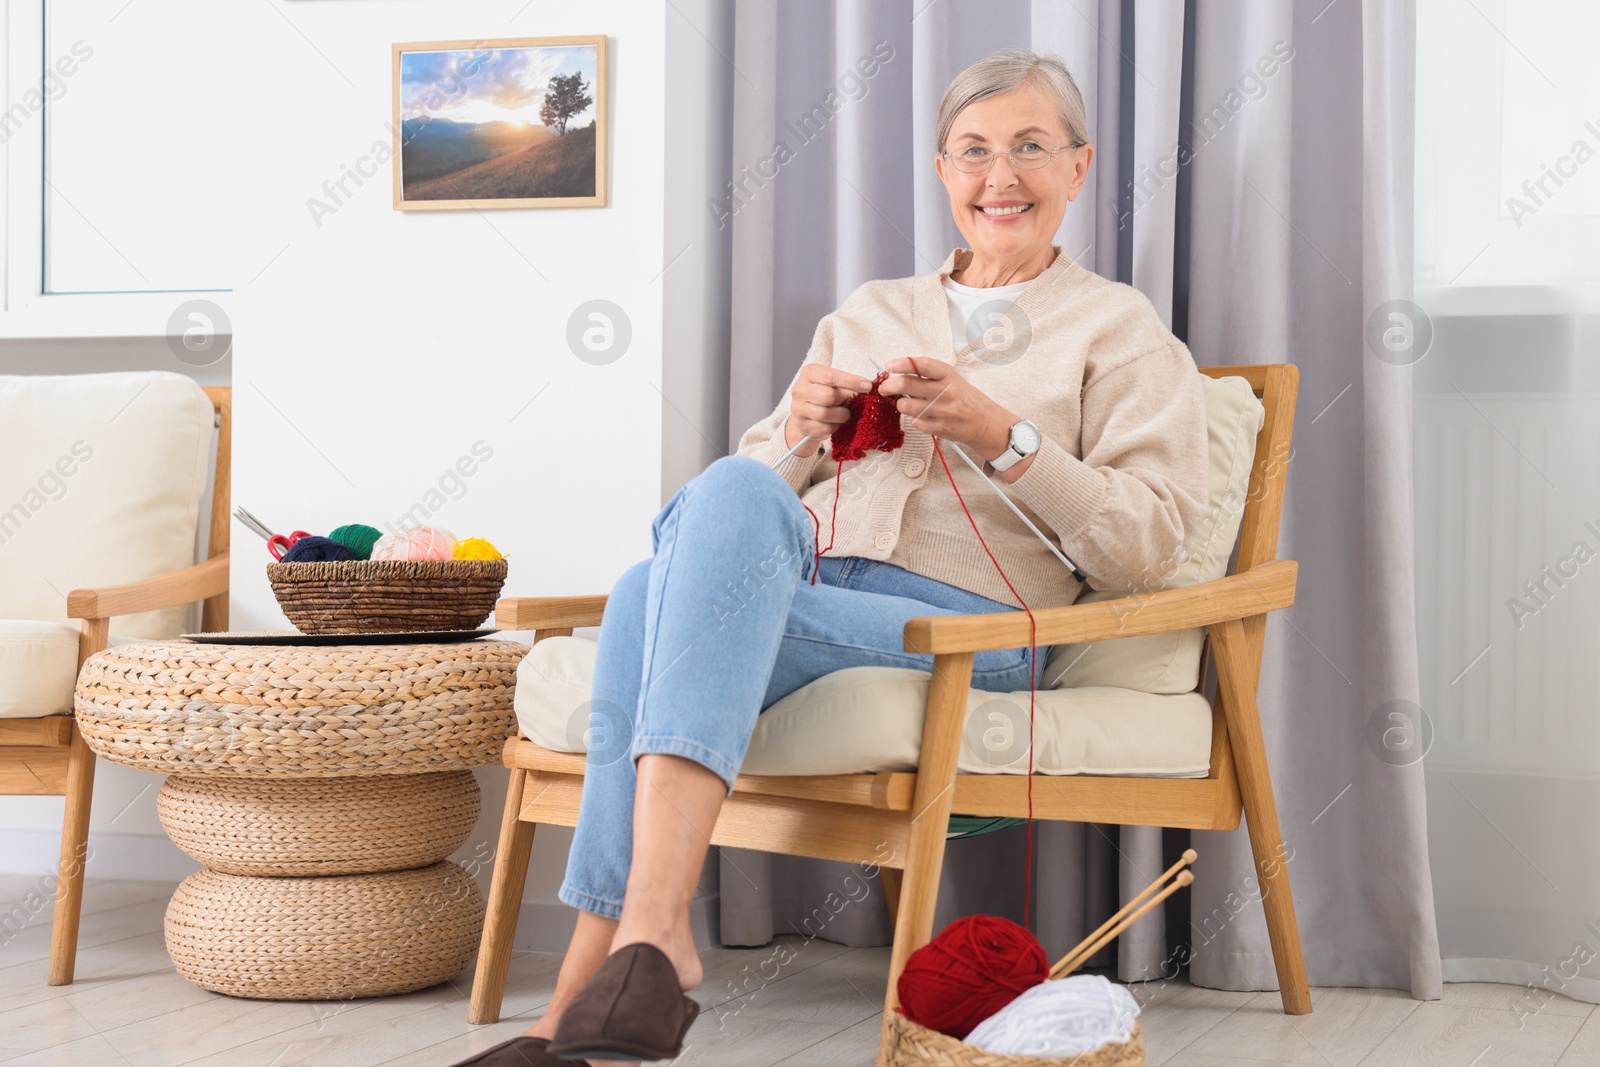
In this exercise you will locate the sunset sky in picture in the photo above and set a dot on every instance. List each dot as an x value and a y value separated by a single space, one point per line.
504 84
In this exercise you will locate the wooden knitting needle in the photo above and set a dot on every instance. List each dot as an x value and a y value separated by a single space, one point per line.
1188 857
1183 879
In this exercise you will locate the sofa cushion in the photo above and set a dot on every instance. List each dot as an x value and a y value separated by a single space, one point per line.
1170 662
864 719
38 668
101 485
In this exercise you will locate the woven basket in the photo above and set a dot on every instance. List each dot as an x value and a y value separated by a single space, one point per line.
315 826
366 935
297 710
913 1045
387 596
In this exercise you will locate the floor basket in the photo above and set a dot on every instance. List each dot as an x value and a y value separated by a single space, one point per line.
913 1045
363 935
387 596
305 826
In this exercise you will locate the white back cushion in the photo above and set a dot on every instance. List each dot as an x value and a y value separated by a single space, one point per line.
100 485
1170 662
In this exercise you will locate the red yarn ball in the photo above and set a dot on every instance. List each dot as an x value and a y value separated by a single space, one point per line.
975 967
874 424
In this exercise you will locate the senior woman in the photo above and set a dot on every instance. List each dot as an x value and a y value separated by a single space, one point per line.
1082 403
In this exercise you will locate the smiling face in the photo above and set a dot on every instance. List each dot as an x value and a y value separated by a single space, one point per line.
1008 215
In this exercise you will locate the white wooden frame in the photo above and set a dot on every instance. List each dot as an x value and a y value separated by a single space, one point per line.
29 311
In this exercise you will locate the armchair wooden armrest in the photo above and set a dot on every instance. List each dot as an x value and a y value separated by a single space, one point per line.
1257 591
1238 596
199 582
548 612
97 607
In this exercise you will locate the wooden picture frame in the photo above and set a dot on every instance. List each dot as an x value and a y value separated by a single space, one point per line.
462 154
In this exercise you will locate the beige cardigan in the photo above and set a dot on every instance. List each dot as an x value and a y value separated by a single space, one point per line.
1118 481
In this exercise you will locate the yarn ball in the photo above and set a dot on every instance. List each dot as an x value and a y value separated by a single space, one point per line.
874 424
358 538
316 550
475 548
1068 1017
414 543
975 967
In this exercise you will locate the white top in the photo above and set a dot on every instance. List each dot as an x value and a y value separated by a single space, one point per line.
965 300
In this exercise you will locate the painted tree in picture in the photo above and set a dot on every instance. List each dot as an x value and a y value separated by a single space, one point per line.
498 123
567 97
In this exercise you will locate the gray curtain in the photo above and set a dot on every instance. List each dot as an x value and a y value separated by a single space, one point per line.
1253 178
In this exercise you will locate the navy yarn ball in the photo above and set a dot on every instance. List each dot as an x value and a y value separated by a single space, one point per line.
316 550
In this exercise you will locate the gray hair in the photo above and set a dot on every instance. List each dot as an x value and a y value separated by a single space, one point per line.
1002 72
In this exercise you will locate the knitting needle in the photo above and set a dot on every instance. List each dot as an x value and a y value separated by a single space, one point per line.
256 525
1076 956
1183 879
1071 566
1188 857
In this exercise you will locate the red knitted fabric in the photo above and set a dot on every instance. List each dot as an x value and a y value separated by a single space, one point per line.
874 424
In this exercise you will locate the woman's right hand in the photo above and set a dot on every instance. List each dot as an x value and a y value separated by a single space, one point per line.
818 404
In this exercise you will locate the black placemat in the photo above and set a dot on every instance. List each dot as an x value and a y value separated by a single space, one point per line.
295 637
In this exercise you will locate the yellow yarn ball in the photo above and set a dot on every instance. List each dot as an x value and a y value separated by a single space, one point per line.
476 548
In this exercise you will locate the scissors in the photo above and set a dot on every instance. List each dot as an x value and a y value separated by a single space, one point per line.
277 544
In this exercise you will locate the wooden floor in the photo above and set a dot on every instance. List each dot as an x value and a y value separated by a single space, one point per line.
796 1003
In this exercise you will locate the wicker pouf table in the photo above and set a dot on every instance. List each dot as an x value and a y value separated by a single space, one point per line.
322 787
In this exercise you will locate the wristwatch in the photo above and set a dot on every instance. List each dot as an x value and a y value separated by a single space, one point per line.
1024 443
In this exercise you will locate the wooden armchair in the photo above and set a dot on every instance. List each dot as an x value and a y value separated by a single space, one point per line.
849 817
47 755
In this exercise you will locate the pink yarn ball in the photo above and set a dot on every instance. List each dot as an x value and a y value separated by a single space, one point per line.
415 542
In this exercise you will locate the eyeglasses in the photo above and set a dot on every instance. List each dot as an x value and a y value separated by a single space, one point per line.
975 158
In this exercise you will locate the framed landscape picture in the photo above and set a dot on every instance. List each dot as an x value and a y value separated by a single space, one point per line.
500 124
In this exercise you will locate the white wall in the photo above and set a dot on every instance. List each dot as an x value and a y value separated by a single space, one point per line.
376 348
380 347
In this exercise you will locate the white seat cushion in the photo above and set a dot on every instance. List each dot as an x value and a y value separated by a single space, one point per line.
100 484
865 719
1170 662
38 667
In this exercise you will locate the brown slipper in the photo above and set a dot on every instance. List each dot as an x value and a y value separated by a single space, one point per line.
520 1051
632 1009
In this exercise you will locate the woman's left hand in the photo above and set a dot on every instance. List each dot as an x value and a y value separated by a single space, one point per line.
943 403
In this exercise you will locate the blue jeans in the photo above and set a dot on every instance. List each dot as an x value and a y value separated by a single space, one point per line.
724 621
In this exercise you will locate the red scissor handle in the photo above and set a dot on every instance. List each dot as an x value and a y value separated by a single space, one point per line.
278 544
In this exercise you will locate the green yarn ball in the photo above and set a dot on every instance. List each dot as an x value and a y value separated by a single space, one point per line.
358 538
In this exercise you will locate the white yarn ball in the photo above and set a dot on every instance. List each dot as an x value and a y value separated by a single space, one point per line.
1067 1017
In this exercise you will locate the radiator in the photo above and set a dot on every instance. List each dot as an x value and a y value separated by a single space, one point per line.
1508 579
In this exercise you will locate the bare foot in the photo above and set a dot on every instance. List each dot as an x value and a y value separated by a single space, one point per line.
677 943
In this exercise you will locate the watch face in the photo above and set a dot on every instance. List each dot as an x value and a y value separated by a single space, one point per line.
1025 437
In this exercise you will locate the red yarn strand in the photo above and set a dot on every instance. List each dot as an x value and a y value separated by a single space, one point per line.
1027 893
874 423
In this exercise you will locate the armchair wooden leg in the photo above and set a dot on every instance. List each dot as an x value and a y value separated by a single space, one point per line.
930 821
1261 814
889 878
505 900
74 857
